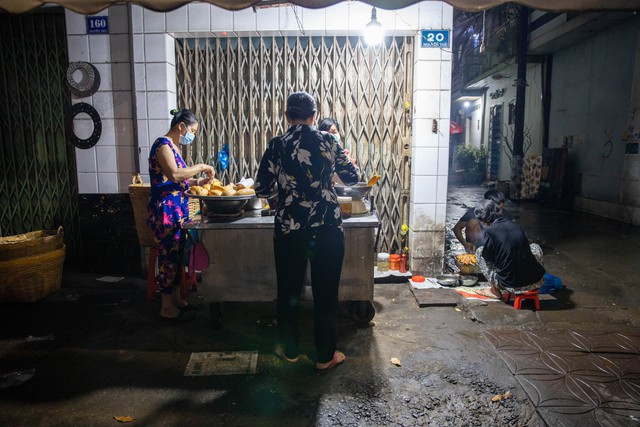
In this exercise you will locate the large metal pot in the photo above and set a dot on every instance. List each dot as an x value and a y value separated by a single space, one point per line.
357 191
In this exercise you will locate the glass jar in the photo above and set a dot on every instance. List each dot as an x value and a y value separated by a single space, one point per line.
394 262
383 262
345 206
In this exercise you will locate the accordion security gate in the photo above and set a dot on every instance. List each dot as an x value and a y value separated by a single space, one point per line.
238 89
38 176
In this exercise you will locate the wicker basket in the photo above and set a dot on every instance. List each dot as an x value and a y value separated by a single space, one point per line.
194 207
32 243
139 193
31 278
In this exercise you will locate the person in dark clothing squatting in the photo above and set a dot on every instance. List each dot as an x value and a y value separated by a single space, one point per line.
308 226
505 256
472 227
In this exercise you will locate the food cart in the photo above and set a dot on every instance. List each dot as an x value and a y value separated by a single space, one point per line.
242 266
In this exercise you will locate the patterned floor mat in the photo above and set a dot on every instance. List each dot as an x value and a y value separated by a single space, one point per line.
576 378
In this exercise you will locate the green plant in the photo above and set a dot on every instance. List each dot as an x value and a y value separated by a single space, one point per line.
474 162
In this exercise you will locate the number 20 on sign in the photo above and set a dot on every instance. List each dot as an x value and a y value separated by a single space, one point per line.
435 38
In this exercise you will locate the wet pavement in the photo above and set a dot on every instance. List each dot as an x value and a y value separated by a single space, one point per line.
98 350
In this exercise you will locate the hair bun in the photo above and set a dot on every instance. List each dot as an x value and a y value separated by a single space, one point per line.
173 112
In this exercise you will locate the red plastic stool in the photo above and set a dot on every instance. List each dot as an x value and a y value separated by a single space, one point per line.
518 298
187 280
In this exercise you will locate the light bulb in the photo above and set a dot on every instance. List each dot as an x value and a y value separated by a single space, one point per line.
373 33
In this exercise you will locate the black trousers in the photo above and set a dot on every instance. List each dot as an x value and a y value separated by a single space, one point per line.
323 247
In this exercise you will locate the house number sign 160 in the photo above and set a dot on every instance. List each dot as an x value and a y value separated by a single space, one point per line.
435 38
97 25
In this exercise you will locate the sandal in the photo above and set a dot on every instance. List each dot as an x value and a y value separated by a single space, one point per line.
334 362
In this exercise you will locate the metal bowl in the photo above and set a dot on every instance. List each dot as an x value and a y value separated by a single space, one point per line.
225 205
447 279
358 191
468 280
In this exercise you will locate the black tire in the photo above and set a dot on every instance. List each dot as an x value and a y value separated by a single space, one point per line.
362 312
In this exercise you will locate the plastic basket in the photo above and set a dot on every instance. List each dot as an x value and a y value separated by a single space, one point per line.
32 243
31 278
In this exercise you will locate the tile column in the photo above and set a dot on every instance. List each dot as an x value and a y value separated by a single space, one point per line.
430 166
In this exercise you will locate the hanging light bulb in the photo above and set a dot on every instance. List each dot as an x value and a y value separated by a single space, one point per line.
373 33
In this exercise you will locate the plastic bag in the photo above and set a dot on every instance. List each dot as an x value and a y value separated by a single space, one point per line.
551 284
194 254
223 157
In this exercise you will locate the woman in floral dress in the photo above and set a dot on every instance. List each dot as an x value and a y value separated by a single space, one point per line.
308 225
168 205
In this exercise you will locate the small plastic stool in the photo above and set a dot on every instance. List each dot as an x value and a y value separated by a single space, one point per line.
187 279
518 298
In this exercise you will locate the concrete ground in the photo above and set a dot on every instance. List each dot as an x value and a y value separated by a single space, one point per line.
101 351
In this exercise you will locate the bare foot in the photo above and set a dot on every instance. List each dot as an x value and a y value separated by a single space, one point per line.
338 358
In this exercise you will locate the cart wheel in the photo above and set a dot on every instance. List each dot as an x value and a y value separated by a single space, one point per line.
216 314
362 312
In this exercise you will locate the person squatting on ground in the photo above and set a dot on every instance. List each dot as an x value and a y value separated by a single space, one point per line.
169 206
506 258
472 227
308 225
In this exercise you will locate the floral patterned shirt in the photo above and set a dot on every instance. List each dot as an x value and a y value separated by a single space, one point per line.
168 203
302 163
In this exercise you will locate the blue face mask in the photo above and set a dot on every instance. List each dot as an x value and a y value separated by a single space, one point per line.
336 136
187 138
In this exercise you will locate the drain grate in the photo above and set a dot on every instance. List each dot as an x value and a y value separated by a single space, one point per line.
576 378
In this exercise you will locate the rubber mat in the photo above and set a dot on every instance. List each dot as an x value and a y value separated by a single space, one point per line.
576 378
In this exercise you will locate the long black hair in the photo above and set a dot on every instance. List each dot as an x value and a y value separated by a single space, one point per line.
183 116
326 123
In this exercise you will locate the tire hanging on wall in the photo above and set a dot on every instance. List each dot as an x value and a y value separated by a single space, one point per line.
90 79
76 109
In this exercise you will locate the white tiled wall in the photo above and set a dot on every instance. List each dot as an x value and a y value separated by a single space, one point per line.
429 169
99 166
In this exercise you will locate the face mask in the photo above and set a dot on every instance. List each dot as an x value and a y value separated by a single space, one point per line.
187 139
336 136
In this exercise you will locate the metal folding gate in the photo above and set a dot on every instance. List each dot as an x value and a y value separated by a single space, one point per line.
238 88
38 175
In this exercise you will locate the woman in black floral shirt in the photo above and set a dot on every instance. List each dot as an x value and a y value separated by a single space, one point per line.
308 225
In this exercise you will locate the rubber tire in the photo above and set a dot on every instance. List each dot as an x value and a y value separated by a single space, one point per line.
362 312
